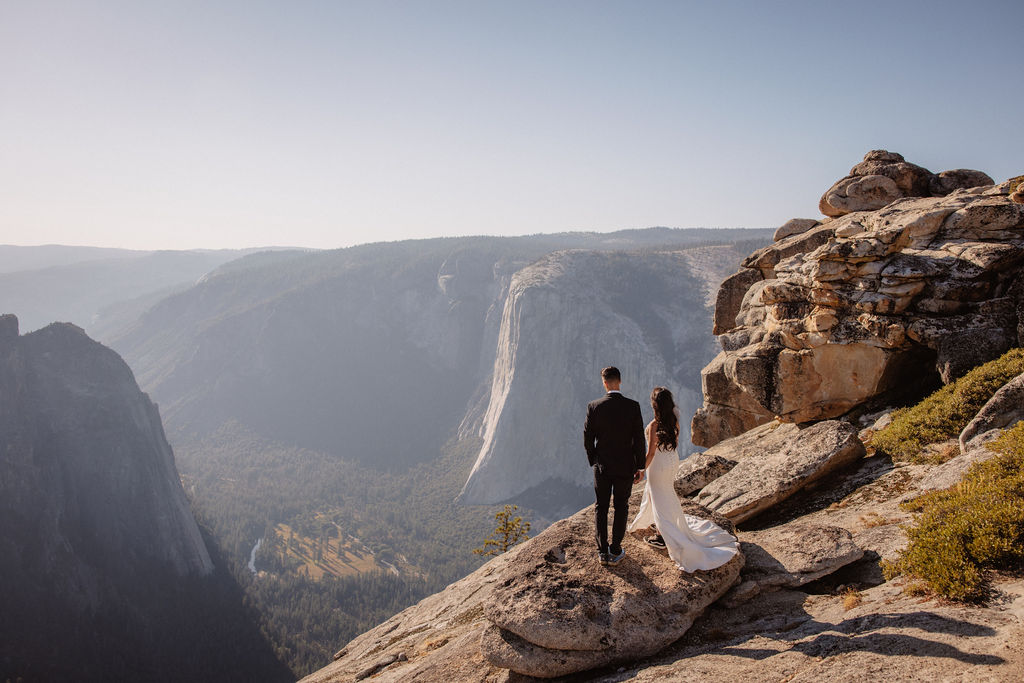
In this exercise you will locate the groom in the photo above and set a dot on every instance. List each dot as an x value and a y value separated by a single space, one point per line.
613 435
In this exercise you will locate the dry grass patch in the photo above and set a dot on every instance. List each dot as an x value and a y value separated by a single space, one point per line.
873 519
969 528
938 453
945 413
852 598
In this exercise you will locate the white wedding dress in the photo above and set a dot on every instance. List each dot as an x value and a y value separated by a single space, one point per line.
693 543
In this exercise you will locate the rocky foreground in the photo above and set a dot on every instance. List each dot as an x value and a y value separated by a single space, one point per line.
809 603
910 272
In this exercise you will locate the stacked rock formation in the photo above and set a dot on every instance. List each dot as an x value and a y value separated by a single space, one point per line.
883 177
876 296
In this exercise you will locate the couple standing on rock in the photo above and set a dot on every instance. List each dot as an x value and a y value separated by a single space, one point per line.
614 437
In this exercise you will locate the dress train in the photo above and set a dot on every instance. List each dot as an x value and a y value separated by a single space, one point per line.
693 543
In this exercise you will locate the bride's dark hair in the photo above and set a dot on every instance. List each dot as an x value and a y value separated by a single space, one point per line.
666 425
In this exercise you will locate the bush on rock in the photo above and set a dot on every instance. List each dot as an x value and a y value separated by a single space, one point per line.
945 413
976 525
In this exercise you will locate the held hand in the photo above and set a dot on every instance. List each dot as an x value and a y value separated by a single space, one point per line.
638 476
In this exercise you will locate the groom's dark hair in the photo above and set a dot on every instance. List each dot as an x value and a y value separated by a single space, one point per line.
611 373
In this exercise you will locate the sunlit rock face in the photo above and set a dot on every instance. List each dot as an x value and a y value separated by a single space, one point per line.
883 177
565 318
866 303
556 611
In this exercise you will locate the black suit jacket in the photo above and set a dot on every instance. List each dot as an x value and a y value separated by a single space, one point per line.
613 435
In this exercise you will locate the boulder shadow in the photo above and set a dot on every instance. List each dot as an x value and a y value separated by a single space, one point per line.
823 639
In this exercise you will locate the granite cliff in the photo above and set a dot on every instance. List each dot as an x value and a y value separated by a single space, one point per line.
565 316
104 574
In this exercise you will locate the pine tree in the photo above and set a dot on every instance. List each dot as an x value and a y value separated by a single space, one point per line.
508 532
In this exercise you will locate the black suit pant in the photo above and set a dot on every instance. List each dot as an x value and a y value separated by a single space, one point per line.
605 489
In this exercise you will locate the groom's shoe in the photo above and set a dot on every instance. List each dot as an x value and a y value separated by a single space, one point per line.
603 559
615 559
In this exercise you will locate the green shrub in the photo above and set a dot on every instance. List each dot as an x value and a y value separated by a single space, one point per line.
945 413
976 525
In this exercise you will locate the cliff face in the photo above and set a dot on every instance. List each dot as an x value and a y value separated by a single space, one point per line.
89 479
369 354
872 300
564 318
101 561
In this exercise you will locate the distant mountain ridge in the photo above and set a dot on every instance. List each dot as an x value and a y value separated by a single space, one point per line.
95 288
16 258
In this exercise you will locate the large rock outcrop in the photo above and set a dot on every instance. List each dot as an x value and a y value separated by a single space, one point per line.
86 464
104 574
557 611
777 461
883 177
867 303
546 608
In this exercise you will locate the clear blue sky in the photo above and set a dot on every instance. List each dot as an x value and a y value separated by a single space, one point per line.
183 124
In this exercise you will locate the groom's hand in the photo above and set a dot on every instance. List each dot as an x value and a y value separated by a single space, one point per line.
638 476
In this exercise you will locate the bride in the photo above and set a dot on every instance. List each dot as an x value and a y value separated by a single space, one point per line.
693 543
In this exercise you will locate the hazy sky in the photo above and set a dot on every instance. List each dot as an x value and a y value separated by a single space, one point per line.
183 124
